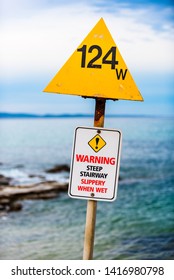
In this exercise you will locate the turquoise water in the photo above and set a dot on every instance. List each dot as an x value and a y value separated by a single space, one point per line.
138 225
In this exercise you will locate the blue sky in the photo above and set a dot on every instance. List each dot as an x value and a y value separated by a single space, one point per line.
38 36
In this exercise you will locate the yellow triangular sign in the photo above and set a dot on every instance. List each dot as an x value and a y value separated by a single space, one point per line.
96 69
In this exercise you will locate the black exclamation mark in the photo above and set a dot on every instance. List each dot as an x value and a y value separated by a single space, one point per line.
97 141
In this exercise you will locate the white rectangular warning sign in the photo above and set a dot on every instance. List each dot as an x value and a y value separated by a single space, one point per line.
95 163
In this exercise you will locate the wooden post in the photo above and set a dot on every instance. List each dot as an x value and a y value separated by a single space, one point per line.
92 204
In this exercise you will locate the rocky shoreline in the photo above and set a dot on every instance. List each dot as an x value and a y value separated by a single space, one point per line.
11 196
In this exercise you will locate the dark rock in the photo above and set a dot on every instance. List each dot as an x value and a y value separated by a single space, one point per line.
36 176
4 201
58 168
4 181
2 207
32 176
15 206
19 166
44 196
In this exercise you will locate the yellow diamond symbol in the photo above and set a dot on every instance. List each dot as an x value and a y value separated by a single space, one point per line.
97 143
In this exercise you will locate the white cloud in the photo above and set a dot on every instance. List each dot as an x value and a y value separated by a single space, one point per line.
38 43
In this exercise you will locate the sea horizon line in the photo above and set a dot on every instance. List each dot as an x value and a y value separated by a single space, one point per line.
77 115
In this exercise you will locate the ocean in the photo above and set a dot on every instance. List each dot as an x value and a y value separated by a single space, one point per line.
138 225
